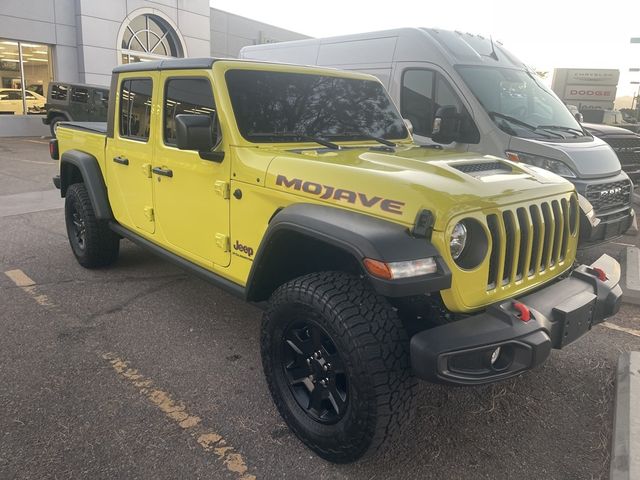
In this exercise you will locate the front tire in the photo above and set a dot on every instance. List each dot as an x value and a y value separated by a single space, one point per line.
336 359
92 242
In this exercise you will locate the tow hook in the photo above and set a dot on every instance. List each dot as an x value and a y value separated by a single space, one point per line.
524 313
598 273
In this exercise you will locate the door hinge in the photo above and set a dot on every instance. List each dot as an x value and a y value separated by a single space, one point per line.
222 241
222 188
146 170
148 212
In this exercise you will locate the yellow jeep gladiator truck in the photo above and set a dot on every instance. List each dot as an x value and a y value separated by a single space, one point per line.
377 261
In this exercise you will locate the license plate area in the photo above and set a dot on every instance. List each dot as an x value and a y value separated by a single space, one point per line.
574 317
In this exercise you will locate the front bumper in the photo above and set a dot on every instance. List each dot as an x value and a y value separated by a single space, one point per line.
460 352
606 227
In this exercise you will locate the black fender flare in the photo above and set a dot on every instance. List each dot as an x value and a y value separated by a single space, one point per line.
359 235
92 177
57 113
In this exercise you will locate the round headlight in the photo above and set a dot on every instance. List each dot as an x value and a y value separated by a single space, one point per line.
458 240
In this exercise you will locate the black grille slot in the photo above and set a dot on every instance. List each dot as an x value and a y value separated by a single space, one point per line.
536 253
492 223
566 228
607 196
549 230
481 167
510 230
525 239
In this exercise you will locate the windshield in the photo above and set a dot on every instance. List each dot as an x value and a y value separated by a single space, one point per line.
283 107
519 103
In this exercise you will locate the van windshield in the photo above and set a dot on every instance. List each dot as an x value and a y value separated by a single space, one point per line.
274 106
519 103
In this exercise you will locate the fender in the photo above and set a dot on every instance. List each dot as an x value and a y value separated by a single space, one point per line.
355 234
56 113
91 174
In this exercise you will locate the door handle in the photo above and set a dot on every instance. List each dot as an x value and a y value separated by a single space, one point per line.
121 160
165 172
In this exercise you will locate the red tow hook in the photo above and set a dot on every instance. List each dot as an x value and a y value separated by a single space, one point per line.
599 273
523 310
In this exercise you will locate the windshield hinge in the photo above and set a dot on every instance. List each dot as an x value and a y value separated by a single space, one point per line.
222 242
222 188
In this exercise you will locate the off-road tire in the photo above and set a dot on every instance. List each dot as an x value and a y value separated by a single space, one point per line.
100 246
54 122
374 347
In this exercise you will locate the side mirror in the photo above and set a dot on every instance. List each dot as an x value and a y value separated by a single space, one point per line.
408 124
197 132
446 124
579 117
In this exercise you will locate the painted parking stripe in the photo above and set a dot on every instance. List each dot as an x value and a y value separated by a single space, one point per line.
613 326
27 285
175 410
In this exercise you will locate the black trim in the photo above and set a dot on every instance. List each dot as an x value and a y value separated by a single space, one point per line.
356 234
56 181
177 64
111 106
91 175
91 127
223 283
52 113
459 352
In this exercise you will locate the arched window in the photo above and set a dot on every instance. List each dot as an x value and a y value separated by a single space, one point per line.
149 37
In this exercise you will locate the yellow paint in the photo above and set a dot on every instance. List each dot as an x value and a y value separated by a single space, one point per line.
19 278
613 326
177 411
27 285
189 215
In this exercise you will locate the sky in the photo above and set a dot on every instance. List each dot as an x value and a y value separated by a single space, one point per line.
544 34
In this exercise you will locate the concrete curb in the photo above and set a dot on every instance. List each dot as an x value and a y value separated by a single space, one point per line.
625 447
630 281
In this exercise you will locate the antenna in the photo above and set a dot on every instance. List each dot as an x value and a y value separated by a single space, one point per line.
493 55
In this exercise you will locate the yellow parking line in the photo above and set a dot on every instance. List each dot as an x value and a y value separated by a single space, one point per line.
613 326
24 282
177 411
38 141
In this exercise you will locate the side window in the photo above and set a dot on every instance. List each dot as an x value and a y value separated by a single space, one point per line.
79 95
445 95
185 95
416 100
135 108
29 95
101 97
59 92
13 95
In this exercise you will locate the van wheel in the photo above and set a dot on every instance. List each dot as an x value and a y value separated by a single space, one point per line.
92 242
336 359
53 125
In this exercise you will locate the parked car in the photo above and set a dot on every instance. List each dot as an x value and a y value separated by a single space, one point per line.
75 102
624 142
467 92
11 101
378 261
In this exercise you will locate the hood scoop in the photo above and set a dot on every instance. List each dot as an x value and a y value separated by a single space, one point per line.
482 169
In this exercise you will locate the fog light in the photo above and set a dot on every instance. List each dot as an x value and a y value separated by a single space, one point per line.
495 355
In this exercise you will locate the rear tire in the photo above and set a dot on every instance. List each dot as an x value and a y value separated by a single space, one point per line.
53 124
92 242
331 334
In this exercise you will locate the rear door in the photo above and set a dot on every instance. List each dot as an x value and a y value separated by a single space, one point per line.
129 153
191 193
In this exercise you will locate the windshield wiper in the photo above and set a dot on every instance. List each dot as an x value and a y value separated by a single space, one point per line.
367 136
301 136
533 128
564 129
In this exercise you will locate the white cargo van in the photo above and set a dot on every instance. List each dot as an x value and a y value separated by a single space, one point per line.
467 92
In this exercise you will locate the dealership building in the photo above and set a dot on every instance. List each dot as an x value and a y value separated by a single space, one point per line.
81 41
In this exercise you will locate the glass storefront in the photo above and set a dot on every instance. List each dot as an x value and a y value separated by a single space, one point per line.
25 73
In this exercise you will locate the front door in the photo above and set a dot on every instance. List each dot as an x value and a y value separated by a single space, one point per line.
129 153
191 193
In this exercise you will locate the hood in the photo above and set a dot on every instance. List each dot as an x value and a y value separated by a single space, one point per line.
603 130
396 185
588 159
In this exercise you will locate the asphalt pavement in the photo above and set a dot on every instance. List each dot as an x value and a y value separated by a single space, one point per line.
141 370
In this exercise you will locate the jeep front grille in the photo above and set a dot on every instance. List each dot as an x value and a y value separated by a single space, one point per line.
607 196
528 241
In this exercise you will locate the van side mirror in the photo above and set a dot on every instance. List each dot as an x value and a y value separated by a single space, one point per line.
446 124
579 117
198 132
408 124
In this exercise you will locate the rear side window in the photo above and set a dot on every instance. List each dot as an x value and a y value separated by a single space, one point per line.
101 96
59 92
79 95
12 95
186 95
135 108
